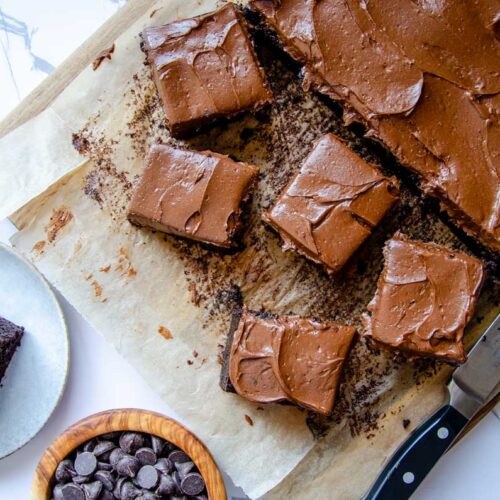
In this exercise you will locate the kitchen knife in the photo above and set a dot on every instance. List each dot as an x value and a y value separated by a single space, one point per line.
470 387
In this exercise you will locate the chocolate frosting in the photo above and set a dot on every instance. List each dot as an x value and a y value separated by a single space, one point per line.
425 296
192 194
275 359
331 205
205 68
423 76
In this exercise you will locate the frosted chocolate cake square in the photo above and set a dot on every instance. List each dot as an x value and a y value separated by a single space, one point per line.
425 297
273 359
332 204
205 68
197 195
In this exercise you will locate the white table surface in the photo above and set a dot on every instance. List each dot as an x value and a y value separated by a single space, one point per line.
99 378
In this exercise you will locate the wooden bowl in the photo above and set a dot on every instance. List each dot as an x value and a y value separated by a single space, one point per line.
126 420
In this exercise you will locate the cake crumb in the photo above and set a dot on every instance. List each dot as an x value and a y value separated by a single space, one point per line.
104 54
105 269
97 288
249 420
59 218
39 246
406 423
165 332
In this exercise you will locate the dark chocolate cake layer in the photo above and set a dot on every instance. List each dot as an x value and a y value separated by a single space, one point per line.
10 339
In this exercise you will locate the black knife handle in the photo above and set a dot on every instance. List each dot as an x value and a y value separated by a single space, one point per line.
418 455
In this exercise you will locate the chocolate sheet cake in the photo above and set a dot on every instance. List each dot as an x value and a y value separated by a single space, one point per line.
204 69
331 205
272 359
425 297
192 194
10 339
424 79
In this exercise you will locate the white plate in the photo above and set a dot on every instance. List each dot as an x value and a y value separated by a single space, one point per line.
35 379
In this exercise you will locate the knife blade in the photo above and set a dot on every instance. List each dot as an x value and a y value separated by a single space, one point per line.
473 382
470 387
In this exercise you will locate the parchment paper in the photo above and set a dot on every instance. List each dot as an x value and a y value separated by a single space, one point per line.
165 303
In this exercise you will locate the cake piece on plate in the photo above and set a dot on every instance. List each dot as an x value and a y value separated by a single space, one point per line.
10 339
197 195
425 297
332 204
272 359
205 68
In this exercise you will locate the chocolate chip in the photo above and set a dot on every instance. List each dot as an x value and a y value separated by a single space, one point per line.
57 492
65 471
158 445
92 490
177 480
128 491
81 479
183 468
85 463
102 449
178 456
128 466
130 442
167 485
148 495
164 465
193 484
146 456
89 445
107 495
147 477
104 466
106 479
118 487
116 455
72 492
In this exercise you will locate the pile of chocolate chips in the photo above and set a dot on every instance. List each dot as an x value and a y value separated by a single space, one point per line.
126 466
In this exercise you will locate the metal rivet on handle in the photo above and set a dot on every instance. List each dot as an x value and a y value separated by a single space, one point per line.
408 477
443 433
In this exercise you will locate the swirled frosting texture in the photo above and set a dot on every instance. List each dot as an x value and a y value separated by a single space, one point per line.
423 76
204 68
425 297
331 205
192 194
290 358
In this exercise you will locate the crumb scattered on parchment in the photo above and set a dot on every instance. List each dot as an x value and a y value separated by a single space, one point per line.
104 54
406 423
153 12
124 266
165 332
97 288
190 362
105 269
195 354
59 218
89 277
39 246
249 420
